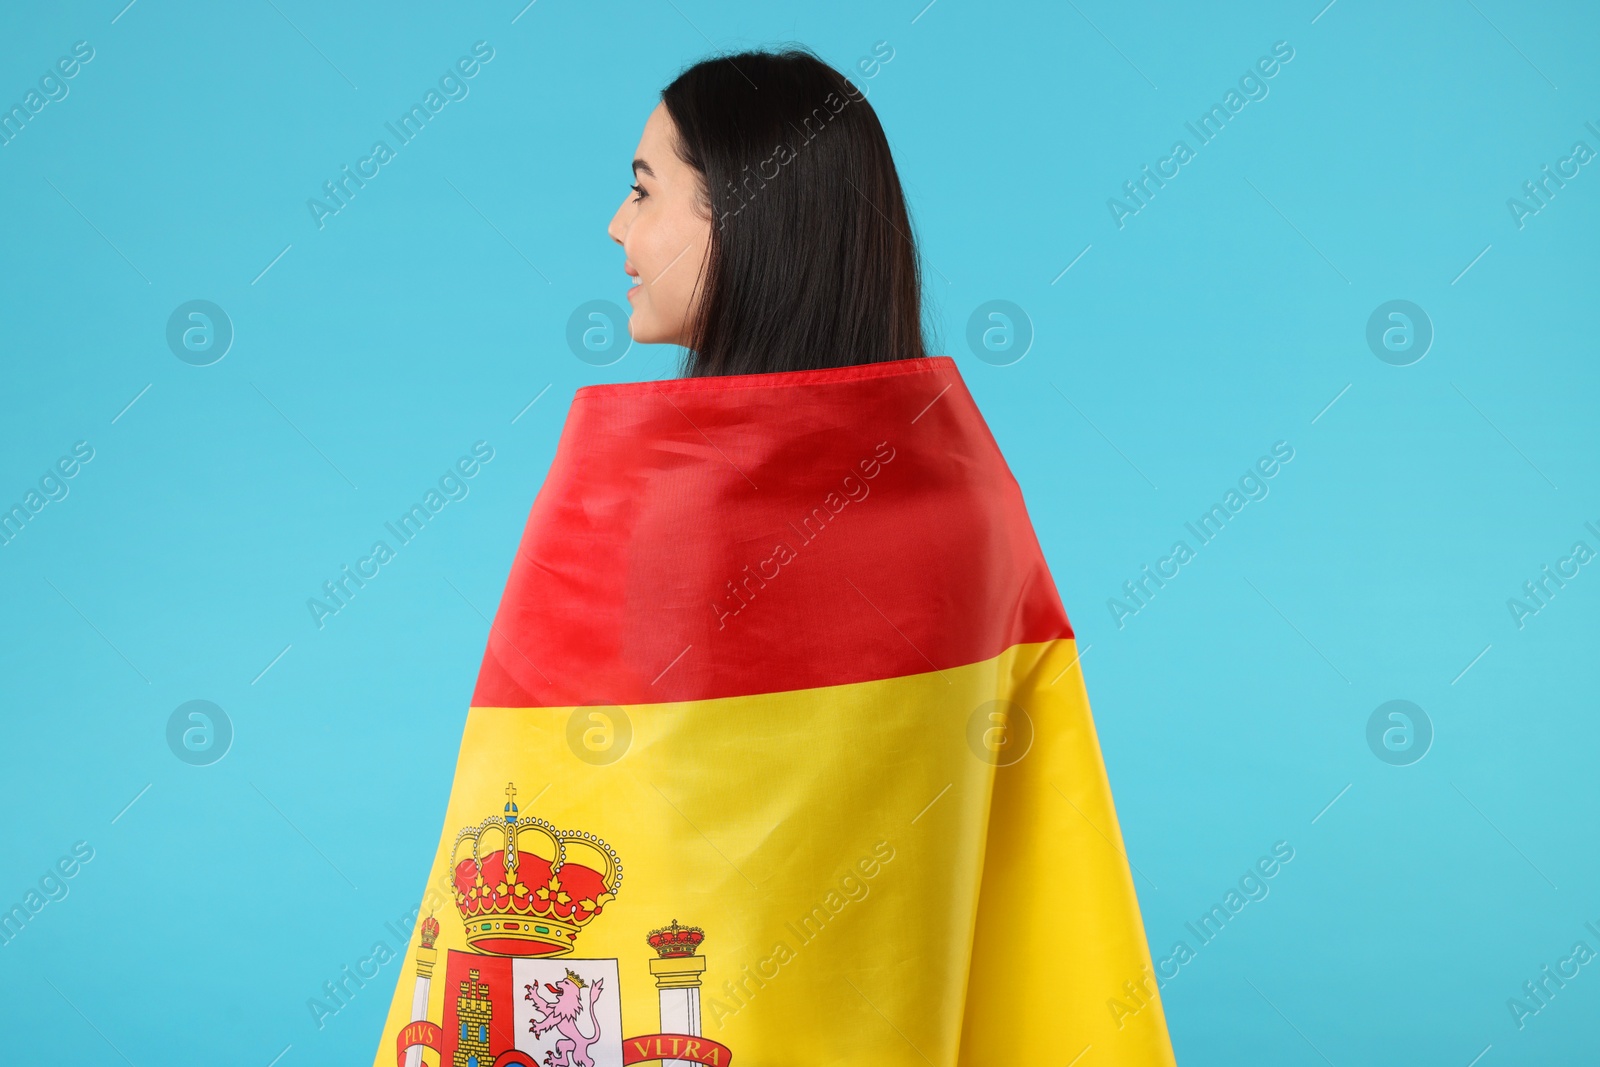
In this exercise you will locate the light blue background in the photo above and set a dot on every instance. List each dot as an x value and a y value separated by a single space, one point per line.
1224 317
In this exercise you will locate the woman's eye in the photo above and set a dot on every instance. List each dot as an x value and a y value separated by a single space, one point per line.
638 189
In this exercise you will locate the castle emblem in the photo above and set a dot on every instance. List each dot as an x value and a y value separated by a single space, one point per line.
518 996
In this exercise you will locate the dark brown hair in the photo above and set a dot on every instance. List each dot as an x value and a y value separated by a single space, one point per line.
812 262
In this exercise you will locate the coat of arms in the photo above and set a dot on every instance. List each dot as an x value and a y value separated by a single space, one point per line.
520 997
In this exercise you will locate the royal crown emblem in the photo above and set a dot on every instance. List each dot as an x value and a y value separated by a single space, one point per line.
673 940
525 888
518 995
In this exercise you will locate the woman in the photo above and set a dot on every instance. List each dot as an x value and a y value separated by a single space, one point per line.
779 644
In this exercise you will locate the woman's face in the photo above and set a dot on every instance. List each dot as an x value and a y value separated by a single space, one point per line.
664 227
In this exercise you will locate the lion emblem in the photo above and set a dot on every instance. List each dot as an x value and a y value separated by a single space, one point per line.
560 1013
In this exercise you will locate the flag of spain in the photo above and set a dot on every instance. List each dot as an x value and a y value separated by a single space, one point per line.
780 753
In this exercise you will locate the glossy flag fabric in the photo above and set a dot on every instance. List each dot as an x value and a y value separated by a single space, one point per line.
779 754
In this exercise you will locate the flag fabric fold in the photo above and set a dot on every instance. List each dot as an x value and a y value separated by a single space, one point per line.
780 752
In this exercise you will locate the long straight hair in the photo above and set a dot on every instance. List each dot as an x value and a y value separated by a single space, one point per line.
812 262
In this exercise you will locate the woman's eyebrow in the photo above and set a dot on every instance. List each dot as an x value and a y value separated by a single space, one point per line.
641 165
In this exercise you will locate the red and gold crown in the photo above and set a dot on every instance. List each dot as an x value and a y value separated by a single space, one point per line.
675 940
528 889
430 931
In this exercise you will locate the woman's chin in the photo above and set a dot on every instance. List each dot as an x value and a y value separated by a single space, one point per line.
644 332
